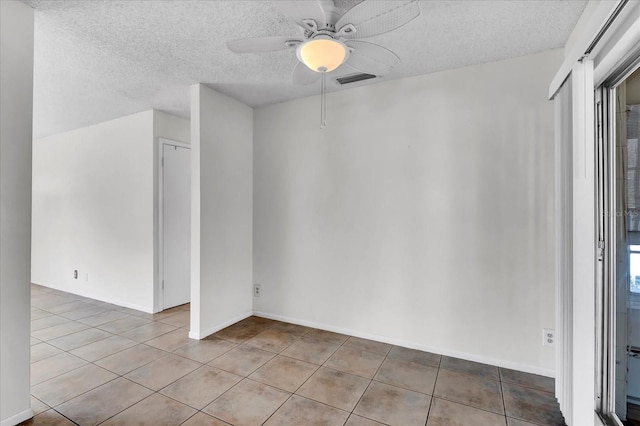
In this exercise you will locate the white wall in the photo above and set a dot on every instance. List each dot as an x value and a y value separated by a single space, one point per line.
421 215
16 89
171 127
93 211
221 216
95 193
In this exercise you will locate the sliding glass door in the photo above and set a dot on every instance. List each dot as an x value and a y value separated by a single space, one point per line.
618 243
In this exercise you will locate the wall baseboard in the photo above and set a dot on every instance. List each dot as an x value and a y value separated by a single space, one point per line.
412 345
146 309
201 334
18 418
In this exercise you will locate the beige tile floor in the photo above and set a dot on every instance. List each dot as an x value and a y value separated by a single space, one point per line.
96 363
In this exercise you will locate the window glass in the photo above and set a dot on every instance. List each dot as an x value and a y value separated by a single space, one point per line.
634 268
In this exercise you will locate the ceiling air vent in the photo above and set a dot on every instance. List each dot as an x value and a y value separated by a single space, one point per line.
352 78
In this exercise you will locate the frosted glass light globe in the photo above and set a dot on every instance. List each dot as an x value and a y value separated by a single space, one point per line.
322 54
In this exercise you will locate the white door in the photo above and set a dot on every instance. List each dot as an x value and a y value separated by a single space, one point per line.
176 225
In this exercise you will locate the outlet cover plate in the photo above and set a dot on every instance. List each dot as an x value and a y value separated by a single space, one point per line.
548 337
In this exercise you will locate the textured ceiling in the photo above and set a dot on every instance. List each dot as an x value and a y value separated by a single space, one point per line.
102 59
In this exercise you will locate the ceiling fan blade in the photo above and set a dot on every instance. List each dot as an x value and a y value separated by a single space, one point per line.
371 58
377 17
298 11
303 76
263 44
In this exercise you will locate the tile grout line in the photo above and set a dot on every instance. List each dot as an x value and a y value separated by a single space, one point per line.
433 396
253 371
77 424
126 408
152 390
122 376
58 375
504 404
176 380
291 393
369 384
280 354
470 406
117 374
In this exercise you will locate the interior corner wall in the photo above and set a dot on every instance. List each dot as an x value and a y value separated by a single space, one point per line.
93 194
222 211
171 127
422 215
16 113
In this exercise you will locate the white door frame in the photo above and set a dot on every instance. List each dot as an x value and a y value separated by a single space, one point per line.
159 284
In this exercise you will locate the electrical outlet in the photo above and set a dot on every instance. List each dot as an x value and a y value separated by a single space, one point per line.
257 290
548 337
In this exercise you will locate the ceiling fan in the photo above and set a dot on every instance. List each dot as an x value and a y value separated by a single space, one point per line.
331 38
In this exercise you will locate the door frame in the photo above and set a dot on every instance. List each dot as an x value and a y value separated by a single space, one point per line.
606 253
606 280
159 286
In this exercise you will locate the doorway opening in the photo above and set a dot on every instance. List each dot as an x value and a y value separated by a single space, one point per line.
174 224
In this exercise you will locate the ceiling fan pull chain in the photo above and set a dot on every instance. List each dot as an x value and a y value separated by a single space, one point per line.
323 101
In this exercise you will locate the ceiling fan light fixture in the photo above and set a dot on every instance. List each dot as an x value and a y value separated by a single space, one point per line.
322 54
